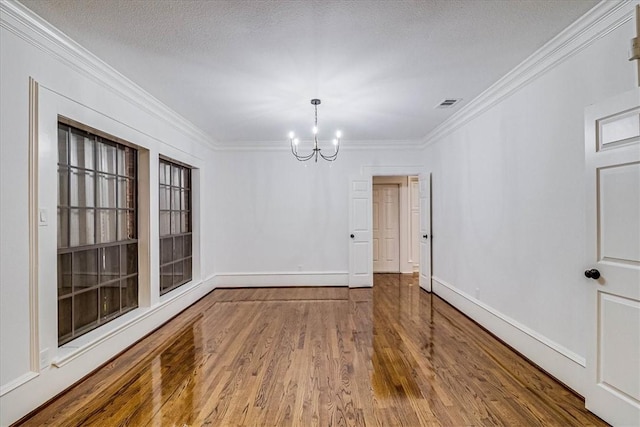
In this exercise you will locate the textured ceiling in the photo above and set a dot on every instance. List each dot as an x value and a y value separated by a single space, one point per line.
246 70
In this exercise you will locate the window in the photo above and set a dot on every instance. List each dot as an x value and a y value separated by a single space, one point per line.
97 231
175 225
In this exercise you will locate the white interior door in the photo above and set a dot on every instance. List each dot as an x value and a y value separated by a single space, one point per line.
612 154
424 181
386 228
360 264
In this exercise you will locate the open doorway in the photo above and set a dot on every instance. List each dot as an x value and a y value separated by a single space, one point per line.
395 224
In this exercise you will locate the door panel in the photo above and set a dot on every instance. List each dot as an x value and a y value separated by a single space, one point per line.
360 247
424 181
386 228
619 354
376 228
618 213
612 159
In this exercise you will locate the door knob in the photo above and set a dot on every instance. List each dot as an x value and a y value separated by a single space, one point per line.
592 274
425 236
352 236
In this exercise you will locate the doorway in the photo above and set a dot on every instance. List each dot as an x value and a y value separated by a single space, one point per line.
361 218
395 224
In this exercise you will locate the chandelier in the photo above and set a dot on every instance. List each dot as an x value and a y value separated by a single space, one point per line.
317 151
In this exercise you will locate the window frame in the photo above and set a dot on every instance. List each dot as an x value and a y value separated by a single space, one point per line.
126 278
182 238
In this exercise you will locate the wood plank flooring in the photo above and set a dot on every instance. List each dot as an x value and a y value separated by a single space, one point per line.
393 355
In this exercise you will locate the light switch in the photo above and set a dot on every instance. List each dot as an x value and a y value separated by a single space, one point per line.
43 217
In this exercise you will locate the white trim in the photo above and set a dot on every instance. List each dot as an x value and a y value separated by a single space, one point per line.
22 379
34 308
410 170
25 24
603 18
75 352
346 145
562 363
284 278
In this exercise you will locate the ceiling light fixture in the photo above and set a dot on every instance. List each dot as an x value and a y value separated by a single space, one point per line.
294 141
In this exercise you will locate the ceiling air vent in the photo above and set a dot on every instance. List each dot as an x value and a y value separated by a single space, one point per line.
449 102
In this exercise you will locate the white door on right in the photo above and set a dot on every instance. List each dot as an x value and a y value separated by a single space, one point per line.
424 182
612 154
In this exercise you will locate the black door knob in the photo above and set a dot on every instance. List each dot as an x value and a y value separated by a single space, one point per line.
352 236
592 274
425 236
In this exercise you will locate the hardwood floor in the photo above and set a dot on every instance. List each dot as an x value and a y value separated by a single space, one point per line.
393 355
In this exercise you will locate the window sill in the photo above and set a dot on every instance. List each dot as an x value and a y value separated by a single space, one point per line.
97 337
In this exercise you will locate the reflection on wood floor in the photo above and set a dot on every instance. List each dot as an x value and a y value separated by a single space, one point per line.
393 355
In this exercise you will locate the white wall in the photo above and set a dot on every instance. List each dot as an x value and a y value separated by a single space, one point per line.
509 206
77 85
283 221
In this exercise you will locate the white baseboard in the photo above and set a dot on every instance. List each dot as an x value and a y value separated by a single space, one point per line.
562 363
274 279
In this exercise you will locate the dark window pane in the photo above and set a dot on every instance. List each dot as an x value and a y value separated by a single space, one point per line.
64 319
165 173
188 267
130 293
126 225
132 230
106 191
81 150
106 157
81 188
178 272
63 145
175 175
63 227
85 269
64 274
109 299
178 248
166 250
188 250
164 198
185 226
109 263
106 226
184 200
175 199
129 258
85 310
166 277
164 223
81 227
63 186
126 193
175 222
186 178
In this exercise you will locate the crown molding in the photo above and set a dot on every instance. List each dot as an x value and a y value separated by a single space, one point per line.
602 19
357 145
30 27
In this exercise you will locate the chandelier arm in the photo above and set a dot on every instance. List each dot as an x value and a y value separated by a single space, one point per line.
332 157
294 151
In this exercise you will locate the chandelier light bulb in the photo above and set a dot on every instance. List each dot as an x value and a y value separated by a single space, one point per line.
315 130
339 134
291 135
335 141
296 141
